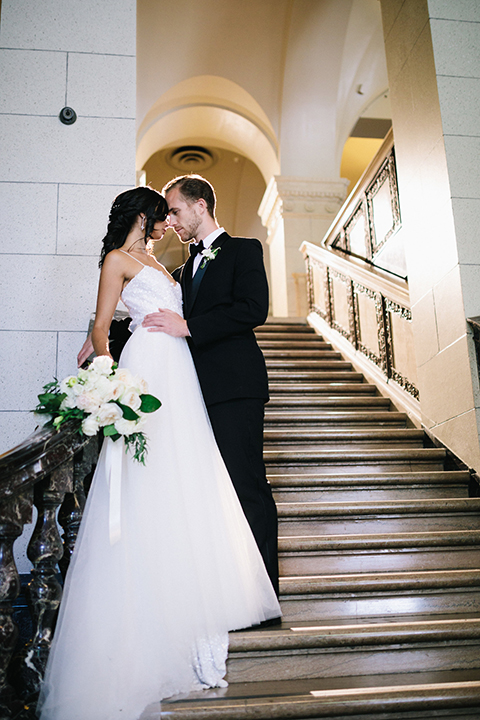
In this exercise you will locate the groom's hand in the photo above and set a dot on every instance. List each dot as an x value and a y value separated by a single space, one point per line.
168 322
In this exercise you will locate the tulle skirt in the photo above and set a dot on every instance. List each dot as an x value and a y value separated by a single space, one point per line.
147 617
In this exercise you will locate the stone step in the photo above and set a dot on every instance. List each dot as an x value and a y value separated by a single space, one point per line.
319 518
354 487
410 700
434 694
288 401
328 650
314 417
318 437
315 555
363 460
320 366
293 354
314 376
319 388
354 595
285 332
309 343
275 363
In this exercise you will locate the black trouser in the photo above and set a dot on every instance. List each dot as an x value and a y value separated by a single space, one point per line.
238 430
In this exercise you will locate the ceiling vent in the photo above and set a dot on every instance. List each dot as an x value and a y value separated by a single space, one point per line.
191 159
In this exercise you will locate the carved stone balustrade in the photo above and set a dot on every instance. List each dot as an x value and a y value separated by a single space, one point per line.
47 469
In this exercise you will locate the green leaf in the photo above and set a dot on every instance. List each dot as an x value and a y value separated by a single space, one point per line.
110 431
149 403
128 413
51 399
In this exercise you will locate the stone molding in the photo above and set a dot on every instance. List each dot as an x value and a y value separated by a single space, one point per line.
298 197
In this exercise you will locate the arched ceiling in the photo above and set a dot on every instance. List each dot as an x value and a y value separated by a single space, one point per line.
281 82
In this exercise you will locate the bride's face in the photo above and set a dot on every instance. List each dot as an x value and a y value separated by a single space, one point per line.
159 229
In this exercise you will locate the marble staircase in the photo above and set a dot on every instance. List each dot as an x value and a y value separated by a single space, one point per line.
379 558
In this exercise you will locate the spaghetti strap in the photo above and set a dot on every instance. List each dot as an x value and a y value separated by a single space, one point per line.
133 258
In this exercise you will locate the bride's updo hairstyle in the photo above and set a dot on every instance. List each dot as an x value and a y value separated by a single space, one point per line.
125 210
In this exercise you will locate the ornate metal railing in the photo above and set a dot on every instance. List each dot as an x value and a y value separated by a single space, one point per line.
47 471
365 308
357 290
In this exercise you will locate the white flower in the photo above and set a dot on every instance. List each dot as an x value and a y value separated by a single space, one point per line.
132 399
209 254
102 365
141 422
103 387
90 425
68 383
125 427
108 413
139 384
118 388
124 376
89 401
70 401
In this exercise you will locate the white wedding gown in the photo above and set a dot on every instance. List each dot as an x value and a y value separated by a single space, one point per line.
147 617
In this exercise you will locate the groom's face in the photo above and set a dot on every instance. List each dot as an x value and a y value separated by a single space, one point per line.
184 216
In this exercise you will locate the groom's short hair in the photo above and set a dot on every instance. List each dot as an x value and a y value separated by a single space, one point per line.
194 188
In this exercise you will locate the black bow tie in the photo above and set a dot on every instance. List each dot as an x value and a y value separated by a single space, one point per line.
195 249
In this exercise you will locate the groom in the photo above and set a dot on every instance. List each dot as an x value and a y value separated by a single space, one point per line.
225 296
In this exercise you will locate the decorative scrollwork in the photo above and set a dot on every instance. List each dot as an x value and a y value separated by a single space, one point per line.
387 174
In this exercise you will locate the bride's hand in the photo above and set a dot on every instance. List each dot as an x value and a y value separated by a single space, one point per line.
85 352
168 322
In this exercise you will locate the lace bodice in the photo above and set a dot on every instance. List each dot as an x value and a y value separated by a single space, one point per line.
149 290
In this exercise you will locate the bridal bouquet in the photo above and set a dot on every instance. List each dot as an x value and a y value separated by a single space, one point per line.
102 397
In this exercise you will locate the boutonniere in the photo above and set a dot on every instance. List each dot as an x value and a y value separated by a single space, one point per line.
209 254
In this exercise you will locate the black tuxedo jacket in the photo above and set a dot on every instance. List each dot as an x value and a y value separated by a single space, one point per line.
223 303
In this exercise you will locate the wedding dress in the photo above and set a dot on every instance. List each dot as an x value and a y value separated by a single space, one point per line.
147 616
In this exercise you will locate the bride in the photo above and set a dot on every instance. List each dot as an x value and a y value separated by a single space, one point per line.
147 608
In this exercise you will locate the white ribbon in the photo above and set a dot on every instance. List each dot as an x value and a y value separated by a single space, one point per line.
115 451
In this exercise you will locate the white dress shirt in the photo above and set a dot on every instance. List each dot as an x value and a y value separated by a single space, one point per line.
198 259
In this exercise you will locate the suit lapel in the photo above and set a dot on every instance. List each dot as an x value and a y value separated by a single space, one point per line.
199 275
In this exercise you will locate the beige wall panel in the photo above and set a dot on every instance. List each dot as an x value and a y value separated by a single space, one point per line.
48 292
69 344
113 92
86 26
424 329
463 165
402 27
470 279
30 359
460 105
467 222
460 47
461 431
450 312
41 149
29 82
14 427
33 208
466 10
445 383
83 212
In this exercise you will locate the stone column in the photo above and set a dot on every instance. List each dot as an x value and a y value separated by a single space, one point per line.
57 182
295 209
433 60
